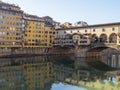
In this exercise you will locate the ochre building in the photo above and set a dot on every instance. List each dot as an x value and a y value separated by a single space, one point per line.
10 25
21 30
37 33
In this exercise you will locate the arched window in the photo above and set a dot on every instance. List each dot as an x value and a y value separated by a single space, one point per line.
103 38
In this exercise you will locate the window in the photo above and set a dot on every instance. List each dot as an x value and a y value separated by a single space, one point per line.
113 29
103 30
93 30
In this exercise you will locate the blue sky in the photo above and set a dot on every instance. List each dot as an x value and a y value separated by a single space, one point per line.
91 11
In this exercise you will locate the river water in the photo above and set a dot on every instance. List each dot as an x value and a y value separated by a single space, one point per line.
57 73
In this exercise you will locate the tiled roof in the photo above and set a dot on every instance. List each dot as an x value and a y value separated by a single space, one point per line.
88 26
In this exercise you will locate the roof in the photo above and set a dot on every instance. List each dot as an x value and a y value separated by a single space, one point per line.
18 10
90 26
7 4
33 17
30 15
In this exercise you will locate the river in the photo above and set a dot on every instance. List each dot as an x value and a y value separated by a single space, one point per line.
57 73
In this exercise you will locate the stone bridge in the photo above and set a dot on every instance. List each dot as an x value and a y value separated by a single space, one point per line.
97 49
109 45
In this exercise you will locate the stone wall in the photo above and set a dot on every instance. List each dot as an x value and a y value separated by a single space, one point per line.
35 51
77 51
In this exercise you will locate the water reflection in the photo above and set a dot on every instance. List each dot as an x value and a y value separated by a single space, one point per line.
62 86
40 72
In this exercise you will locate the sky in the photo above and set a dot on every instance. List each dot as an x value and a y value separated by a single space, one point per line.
90 11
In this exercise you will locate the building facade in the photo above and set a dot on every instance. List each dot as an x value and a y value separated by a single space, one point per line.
34 31
67 25
101 33
10 25
21 30
37 33
49 36
81 39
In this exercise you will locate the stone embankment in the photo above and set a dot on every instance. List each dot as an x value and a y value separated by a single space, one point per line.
103 53
35 51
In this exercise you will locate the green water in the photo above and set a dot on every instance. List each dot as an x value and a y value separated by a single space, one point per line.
42 72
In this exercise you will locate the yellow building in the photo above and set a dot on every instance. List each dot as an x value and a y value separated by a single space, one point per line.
67 25
49 36
10 25
37 34
23 30
34 31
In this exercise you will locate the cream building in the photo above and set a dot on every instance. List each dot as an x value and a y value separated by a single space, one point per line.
102 33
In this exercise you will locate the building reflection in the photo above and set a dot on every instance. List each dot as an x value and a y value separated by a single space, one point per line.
114 61
26 74
38 73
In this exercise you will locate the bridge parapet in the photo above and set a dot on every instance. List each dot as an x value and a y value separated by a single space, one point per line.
112 45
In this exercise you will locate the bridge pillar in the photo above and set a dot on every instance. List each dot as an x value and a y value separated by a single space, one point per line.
81 51
108 40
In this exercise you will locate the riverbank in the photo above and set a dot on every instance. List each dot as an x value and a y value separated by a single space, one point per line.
103 54
25 52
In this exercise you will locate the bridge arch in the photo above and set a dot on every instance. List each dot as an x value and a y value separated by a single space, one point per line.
94 38
103 37
68 36
113 38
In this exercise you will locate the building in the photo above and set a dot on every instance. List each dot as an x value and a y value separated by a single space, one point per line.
10 25
63 41
34 31
102 33
21 30
49 36
81 39
81 23
66 25
37 33
50 22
